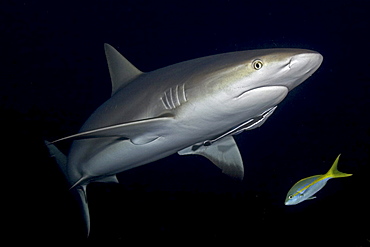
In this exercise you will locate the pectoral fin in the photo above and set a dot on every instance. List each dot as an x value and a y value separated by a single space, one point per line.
224 154
139 132
310 198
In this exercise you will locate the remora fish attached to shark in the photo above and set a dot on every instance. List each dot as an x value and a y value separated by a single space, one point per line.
193 107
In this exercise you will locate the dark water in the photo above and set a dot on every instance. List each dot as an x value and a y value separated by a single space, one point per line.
54 74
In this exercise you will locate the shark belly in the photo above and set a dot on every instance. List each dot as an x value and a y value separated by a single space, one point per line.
93 161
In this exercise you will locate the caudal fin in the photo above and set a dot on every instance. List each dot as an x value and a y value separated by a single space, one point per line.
334 173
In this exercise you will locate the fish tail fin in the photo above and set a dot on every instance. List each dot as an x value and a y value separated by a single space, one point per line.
334 173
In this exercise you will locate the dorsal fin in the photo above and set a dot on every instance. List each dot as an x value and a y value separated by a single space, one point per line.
120 69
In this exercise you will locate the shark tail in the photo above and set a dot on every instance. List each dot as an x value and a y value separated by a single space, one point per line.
78 191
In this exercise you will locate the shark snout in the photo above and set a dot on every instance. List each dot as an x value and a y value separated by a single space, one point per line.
309 61
302 66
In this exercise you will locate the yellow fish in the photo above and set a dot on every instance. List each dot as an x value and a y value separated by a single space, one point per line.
305 189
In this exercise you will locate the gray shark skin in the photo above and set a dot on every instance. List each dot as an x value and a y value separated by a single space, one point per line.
193 107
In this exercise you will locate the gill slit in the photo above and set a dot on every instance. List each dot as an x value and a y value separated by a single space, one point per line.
184 93
174 97
167 103
171 98
177 95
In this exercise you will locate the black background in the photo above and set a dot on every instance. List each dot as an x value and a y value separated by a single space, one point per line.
54 75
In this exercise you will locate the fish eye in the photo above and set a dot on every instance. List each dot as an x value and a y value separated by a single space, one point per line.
257 64
290 197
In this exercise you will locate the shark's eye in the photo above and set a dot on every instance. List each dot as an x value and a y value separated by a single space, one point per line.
257 64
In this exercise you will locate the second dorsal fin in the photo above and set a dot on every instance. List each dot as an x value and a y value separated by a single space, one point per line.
120 69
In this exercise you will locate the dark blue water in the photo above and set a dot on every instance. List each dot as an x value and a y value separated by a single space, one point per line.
54 75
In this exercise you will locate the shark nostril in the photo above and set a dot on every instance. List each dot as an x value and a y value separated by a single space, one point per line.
290 64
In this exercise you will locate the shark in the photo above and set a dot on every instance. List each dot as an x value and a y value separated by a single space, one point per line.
190 108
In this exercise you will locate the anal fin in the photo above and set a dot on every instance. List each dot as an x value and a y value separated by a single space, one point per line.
110 179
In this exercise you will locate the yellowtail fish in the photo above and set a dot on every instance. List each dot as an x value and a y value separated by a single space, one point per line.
305 189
